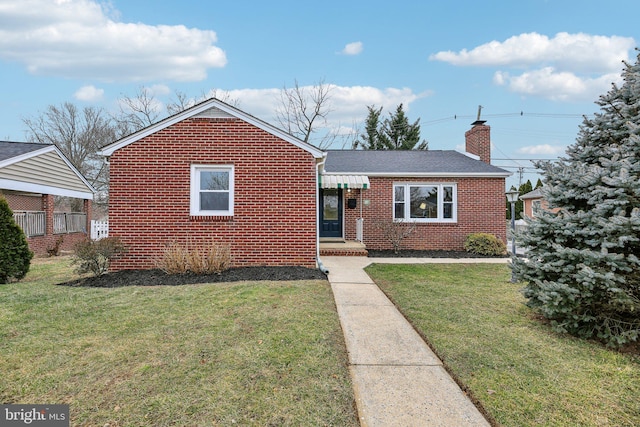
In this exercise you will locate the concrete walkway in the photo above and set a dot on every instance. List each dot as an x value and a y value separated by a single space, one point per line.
397 379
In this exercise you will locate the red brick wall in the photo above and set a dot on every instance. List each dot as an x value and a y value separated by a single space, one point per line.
480 208
23 202
478 142
528 207
274 221
40 245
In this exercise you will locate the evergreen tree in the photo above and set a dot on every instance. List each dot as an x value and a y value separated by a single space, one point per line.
538 184
399 134
15 255
582 270
370 140
394 133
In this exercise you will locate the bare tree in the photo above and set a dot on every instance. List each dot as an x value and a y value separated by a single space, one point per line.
181 101
303 109
139 111
79 134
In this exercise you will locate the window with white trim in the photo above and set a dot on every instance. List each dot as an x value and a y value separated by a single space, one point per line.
211 190
536 205
425 202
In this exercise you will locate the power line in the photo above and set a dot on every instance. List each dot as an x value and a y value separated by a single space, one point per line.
520 114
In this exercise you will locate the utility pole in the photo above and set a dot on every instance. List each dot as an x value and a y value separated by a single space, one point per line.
520 173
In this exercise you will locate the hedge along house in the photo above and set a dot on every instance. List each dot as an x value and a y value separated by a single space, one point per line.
213 173
30 176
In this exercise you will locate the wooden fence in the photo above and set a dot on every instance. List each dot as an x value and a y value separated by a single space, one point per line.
69 222
32 223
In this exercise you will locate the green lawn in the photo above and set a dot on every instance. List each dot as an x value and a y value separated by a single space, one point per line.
264 353
522 373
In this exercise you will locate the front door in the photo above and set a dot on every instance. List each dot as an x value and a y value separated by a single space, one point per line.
330 212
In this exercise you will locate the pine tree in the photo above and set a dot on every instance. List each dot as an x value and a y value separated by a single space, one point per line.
370 140
15 255
394 133
399 134
538 184
582 268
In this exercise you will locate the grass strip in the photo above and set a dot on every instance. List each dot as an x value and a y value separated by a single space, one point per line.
262 353
520 371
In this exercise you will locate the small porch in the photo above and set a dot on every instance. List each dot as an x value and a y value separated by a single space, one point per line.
341 247
332 205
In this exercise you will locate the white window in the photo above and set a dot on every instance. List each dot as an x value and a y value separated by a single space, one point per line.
536 205
425 202
211 190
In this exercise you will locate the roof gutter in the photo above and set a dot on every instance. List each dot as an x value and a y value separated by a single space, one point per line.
429 174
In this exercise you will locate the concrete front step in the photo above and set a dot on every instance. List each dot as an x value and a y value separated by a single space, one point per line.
342 248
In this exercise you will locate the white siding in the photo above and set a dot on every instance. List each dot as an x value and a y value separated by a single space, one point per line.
46 169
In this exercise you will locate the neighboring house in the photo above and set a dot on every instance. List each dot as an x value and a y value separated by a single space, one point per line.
213 173
30 176
533 202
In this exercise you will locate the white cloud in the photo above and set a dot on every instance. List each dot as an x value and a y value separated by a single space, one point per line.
354 48
348 103
159 90
557 86
80 38
567 67
546 149
567 51
89 93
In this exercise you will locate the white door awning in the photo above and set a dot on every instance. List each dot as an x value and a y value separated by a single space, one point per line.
344 181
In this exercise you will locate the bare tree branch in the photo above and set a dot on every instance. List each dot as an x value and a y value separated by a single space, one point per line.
182 101
79 134
140 111
301 108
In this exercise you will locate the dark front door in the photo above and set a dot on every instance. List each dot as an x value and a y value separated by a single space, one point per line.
330 213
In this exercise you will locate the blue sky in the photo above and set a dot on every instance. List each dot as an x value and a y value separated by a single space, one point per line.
549 60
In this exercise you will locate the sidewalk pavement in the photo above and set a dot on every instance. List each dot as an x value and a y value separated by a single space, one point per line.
397 379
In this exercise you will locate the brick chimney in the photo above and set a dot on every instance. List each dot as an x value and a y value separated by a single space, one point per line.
478 140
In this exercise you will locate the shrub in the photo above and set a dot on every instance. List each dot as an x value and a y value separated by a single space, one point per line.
395 232
95 255
484 244
55 249
15 256
177 258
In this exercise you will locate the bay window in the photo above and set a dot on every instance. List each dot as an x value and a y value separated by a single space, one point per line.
425 202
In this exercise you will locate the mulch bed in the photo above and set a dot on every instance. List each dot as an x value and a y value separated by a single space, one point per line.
160 278
426 254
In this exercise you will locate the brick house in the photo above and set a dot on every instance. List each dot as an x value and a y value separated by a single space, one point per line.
215 173
447 194
31 175
533 201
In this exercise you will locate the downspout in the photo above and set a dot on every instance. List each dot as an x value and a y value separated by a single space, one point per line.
319 165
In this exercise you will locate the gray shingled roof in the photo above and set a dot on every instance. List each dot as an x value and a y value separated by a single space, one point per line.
535 194
407 162
9 150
